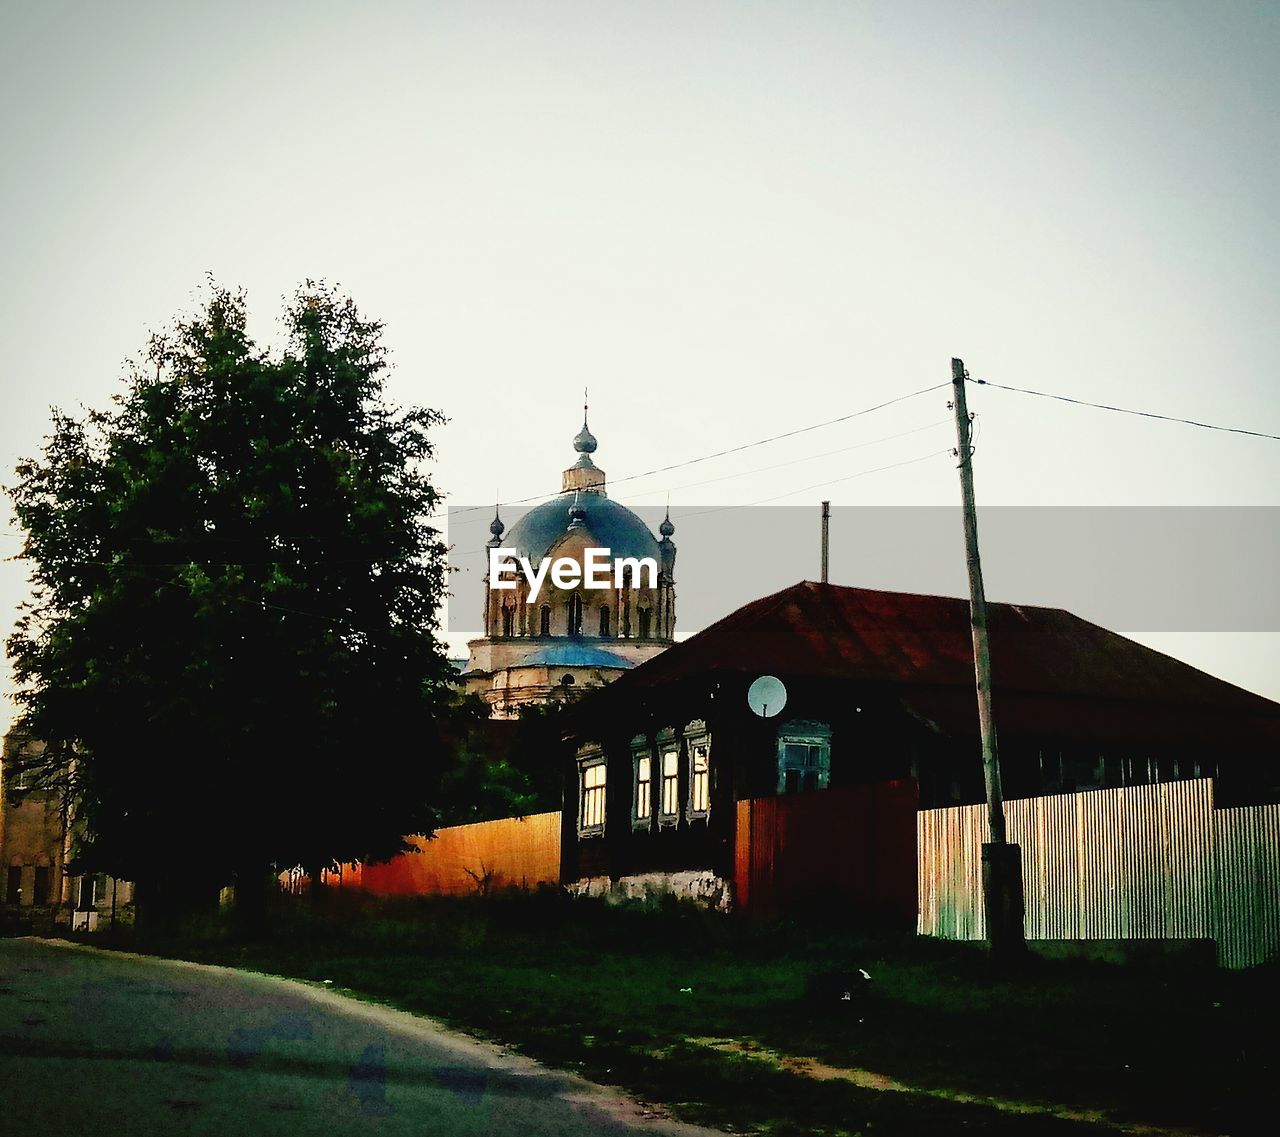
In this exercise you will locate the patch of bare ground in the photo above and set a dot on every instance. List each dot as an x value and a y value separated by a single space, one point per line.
872 1080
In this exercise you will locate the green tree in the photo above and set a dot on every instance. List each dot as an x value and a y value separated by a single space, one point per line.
230 648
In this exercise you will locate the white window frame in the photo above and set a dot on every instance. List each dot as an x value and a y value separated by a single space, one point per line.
805 732
698 738
641 751
592 760
667 769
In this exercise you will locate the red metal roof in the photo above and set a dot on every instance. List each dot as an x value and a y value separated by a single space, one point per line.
1052 659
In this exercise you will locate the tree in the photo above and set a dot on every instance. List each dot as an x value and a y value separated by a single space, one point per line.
230 648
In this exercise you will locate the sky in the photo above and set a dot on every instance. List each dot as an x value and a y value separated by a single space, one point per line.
727 220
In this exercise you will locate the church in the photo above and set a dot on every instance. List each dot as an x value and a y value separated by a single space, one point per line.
554 644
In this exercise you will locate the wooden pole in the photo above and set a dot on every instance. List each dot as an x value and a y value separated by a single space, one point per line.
1001 862
826 541
977 609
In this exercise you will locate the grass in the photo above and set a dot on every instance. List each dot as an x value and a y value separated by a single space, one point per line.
668 1005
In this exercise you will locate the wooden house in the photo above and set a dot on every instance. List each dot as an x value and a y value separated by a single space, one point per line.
678 785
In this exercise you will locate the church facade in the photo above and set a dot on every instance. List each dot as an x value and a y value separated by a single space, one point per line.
557 643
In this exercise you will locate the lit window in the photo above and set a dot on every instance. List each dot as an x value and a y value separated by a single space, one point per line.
644 788
670 783
591 810
698 749
700 779
804 756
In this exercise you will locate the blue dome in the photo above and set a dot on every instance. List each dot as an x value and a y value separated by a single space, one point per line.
574 654
612 526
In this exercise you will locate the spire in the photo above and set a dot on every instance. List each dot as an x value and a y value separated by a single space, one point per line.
584 442
584 474
497 529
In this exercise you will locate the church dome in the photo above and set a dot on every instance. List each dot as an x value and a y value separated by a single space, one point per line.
612 526
584 442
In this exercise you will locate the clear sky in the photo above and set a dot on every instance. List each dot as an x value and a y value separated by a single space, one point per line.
728 219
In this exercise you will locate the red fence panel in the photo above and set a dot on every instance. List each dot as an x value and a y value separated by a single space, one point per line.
847 849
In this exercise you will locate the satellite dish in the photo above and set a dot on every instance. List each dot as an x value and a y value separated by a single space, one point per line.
767 696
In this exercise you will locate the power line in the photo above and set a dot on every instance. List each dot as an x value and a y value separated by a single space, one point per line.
1129 411
798 461
722 453
467 554
817 485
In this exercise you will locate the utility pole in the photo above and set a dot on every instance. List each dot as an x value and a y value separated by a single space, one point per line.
826 541
1001 862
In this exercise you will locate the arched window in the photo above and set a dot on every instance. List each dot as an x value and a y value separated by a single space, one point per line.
604 622
508 621
575 615
544 626
643 614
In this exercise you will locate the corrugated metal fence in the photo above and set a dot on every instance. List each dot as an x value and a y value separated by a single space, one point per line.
1143 862
1248 845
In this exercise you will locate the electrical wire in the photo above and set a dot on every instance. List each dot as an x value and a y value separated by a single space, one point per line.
720 453
1128 410
816 485
798 461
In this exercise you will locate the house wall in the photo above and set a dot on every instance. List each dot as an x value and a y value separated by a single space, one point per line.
873 740
1139 863
31 836
34 835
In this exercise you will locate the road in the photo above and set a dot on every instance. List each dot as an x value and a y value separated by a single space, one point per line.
95 1042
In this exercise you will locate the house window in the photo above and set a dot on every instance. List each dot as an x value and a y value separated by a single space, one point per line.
671 783
604 623
13 891
591 803
698 749
643 614
40 887
644 788
641 781
804 756
699 779
544 627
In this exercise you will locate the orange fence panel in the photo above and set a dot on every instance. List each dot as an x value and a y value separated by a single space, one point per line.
520 852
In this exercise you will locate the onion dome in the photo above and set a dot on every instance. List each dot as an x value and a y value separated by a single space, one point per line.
584 442
666 528
584 474
612 526
497 529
